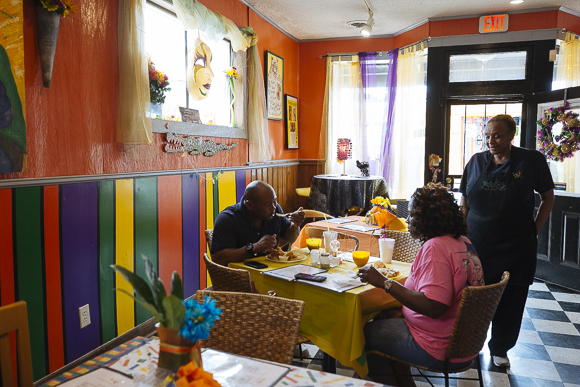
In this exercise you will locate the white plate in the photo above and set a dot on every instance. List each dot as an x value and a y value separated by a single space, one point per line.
288 261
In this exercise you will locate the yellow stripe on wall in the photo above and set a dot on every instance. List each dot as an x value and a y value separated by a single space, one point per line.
227 189
124 252
209 203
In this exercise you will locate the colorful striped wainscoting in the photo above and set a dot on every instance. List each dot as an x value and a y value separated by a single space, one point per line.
57 243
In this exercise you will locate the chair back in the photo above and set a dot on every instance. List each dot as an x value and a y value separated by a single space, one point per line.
406 248
227 279
402 209
255 325
13 317
476 310
348 242
208 238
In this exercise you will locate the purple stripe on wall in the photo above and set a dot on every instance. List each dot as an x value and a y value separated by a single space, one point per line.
191 236
240 184
80 266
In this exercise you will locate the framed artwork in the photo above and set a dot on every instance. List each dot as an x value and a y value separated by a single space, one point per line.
274 79
291 115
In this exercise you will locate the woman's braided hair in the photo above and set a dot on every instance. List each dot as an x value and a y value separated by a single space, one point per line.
435 213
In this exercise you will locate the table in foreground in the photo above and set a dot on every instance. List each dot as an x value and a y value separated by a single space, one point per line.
138 367
333 321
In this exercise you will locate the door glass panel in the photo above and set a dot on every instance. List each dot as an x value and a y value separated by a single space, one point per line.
496 66
566 173
466 126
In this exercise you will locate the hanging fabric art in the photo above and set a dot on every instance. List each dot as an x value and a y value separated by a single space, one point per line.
558 137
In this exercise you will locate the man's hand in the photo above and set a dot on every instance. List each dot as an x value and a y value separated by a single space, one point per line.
297 217
266 244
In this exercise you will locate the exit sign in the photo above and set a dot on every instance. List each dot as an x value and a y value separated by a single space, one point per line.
493 23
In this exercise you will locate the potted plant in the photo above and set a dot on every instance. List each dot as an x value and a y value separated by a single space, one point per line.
158 86
48 14
181 324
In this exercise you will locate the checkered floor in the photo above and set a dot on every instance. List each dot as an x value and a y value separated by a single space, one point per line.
547 353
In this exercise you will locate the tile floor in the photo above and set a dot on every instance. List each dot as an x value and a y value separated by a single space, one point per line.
547 353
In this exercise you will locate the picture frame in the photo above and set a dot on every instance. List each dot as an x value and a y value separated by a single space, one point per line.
274 80
291 120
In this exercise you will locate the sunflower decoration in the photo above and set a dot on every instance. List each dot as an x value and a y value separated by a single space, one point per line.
559 133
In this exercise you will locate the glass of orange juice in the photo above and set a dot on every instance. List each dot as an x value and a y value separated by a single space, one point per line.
360 258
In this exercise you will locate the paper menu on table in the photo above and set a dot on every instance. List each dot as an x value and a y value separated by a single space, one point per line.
232 371
356 227
101 377
141 360
340 220
287 273
337 282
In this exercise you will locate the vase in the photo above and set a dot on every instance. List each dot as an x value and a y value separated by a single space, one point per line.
157 110
175 350
47 26
232 102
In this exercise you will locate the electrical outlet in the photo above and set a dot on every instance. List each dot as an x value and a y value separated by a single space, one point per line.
84 315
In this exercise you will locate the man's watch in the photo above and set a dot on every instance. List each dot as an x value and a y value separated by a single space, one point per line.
388 284
250 249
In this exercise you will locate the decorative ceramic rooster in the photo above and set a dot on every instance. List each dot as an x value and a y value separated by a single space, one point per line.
364 168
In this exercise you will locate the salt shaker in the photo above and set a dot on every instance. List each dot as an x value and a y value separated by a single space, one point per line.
315 257
325 261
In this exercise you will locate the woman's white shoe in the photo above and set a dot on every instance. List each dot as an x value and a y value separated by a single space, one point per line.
500 361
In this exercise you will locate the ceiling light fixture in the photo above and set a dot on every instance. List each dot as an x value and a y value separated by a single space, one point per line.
516 1
368 28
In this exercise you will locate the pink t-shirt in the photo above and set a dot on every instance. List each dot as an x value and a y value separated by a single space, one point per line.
443 267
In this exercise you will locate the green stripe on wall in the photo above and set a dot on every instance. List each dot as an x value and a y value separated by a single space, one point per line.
145 192
216 196
106 259
29 258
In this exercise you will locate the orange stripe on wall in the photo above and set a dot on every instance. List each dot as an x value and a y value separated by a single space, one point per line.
53 282
170 232
202 242
248 176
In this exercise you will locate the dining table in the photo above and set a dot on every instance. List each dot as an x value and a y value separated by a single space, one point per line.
335 194
332 320
134 363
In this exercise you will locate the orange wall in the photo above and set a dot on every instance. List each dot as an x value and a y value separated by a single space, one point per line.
71 126
271 39
313 68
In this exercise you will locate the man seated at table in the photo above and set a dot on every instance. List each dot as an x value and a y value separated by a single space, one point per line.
251 227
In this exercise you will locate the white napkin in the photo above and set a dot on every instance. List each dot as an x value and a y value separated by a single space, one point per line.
346 280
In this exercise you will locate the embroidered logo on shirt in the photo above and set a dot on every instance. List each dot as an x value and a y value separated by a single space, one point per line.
519 174
493 186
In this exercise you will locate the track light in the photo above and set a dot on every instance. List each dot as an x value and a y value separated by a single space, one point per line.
368 28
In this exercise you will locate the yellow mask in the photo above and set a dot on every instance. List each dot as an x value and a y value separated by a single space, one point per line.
199 74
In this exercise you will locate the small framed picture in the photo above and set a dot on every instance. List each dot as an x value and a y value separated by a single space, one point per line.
291 115
274 79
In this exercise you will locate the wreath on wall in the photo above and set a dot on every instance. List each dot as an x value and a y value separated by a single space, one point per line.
559 134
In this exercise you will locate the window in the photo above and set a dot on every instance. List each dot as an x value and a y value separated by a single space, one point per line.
167 43
495 66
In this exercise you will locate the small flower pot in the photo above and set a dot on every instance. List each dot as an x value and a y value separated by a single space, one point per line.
175 351
47 26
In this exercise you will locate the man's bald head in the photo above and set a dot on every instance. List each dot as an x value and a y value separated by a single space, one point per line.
260 200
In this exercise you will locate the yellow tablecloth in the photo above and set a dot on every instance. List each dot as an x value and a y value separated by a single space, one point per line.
332 321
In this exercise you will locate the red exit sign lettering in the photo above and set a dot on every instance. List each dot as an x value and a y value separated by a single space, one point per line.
493 23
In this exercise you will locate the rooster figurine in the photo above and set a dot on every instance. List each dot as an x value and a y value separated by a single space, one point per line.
364 168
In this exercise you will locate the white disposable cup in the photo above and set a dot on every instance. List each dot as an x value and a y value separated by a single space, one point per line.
386 247
328 237
314 256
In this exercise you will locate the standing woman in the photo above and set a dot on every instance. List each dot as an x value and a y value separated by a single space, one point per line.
498 202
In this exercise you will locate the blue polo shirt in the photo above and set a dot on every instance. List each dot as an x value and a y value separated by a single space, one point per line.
234 229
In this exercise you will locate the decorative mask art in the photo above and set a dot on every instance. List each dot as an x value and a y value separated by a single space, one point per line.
199 74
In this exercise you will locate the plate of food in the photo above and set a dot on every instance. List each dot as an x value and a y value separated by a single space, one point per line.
386 271
278 255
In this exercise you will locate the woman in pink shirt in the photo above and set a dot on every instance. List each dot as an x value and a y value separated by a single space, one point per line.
446 263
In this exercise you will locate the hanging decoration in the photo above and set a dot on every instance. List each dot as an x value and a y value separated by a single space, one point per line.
434 161
232 74
558 137
194 145
199 74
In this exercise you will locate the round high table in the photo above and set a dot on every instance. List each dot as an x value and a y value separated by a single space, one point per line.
334 194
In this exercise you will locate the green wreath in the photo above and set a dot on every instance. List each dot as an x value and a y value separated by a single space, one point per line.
559 134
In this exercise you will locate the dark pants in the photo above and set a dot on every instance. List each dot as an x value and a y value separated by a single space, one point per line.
505 326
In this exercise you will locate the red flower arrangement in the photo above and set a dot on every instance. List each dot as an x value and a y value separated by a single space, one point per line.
158 83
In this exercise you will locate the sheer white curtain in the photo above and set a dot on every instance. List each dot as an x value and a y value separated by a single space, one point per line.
343 103
407 157
567 72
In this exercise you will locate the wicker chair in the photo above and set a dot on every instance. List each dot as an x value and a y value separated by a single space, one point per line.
402 209
255 325
208 238
406 248
227 279
476 310
14 317
347 242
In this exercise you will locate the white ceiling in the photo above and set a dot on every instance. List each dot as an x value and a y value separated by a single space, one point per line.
327 19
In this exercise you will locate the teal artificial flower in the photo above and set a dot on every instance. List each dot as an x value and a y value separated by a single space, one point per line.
199 319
